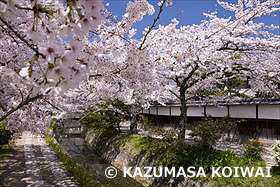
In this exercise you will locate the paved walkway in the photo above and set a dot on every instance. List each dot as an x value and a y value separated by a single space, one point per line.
33 164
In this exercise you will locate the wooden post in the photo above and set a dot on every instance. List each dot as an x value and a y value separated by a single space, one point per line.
157 115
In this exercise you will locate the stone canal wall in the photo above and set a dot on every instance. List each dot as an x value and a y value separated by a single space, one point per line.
121 158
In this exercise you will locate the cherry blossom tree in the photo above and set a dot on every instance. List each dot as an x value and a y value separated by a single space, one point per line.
48 50
63 55
122 68
198 57
36 60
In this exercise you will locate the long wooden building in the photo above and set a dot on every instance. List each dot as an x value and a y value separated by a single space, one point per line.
262 116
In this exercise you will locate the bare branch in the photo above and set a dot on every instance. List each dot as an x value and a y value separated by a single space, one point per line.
177 81
175 94
96 75
184 82
154 23
21 94
51 104
118 70
23 103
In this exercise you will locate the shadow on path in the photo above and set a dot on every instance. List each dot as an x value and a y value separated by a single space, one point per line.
13 170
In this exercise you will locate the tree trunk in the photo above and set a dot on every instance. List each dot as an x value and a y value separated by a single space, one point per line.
133 123
183 115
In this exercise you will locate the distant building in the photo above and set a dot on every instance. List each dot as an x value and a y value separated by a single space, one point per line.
262 115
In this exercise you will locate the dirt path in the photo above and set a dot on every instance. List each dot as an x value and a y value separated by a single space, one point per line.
33 163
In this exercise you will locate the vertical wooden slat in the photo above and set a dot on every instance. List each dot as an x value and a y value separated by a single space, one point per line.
157 115
257 121
170 117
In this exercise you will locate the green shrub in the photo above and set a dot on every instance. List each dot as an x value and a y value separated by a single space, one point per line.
276 153
144 120
5 135
178 153
210 130
108 115
253 148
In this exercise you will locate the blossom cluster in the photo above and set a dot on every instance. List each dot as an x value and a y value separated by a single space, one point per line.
64 56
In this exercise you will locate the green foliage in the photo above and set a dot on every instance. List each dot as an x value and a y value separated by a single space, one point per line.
231 86
53 121
253 148
276 153
5 135
51 126
102 125
200 94
234 57
144 120
234 83
80 172
109 115
210 130
5 151
178 153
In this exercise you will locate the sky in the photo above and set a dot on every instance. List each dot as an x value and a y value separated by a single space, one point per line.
191 13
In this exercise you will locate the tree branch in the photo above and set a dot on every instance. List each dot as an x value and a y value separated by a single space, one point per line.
20 37
174 94
9 34
118 70
52 104
177 81
231 24
23 103
189 75
154 24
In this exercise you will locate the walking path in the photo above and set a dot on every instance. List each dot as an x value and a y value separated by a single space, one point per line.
33 164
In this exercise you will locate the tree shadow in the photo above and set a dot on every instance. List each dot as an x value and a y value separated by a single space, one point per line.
12 172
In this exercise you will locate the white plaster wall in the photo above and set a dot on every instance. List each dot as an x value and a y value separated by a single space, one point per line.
146 111
236 111
164 111
153 110
242 111
215 111
269 112
175 111
195 111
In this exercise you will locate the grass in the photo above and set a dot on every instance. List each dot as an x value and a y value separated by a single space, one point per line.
5 151
178 153
80 172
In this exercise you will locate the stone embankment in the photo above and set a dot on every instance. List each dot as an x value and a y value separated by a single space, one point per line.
122 158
